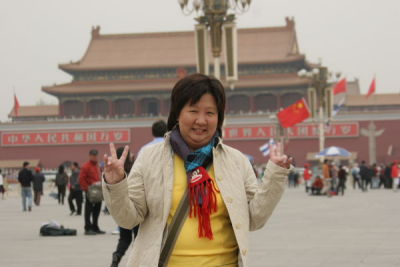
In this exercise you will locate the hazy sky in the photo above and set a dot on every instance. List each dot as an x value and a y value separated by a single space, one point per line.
360 38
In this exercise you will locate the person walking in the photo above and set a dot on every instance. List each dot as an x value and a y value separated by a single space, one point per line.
38 180
371 173
342 177
2 189
375 170
61 183
365 174
388 176
75 192
334 173
395 173
89 175
382 178
355 172
307 176
25 178
327 175
195 198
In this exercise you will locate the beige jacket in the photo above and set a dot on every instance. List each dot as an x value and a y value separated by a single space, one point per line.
145 198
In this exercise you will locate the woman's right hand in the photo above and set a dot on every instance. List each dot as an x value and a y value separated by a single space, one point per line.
114 167
280 159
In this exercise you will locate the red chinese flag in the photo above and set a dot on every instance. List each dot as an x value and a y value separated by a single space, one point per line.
340 87
372 88
16 105
294 114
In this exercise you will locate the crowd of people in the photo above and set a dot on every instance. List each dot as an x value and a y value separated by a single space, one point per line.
333 177
77 184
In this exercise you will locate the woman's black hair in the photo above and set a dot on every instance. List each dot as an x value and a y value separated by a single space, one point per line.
189 90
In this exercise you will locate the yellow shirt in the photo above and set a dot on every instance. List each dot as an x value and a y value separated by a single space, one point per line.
189 248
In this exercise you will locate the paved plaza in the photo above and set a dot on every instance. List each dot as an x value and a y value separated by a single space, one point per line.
359 229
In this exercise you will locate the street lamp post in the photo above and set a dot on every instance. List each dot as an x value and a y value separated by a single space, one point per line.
320 98
213 14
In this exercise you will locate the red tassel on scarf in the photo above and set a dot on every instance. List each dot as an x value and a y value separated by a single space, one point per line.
202 187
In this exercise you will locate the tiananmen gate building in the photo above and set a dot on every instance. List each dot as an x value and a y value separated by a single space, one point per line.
122 84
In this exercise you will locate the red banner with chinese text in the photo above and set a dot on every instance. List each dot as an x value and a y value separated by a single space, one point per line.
74 137
249 132
296 132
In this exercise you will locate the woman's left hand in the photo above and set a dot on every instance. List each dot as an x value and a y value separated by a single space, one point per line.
280 159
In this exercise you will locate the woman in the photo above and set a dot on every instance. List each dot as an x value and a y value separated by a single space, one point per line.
61 183
222 197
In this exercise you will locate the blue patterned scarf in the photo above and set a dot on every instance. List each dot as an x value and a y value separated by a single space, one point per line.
201 187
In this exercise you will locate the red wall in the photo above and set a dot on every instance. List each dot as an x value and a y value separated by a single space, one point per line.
298 148
52 156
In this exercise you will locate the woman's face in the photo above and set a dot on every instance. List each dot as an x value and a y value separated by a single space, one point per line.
198 122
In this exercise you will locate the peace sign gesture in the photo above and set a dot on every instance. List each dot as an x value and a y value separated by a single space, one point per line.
279 158
114 167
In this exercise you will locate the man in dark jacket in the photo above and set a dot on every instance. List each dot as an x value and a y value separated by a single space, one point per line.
342 175
25 178
75 191
388 176
90 174
38 179
365 174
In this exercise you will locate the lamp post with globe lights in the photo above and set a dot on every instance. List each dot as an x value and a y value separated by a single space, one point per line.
320 97
217 16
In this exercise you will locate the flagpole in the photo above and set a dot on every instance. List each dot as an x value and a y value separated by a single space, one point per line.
281 136
16 104
321 130
14 108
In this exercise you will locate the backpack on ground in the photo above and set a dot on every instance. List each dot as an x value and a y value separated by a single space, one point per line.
54 229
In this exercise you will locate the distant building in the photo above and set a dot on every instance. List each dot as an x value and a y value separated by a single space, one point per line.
376 103
35 113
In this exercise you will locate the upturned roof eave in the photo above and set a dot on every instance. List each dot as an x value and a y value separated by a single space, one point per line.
166 85
74 67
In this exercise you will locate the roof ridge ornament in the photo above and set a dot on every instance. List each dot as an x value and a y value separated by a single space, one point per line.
290 22
95 31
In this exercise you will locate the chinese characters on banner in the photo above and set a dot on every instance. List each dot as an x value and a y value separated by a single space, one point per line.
250 132
75 137
297 131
